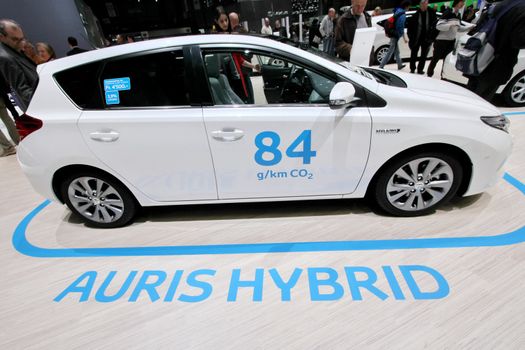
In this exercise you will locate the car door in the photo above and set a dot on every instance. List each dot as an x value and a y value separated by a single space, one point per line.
288 149
148 133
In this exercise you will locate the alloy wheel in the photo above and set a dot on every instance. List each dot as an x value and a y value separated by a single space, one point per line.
517 93
95 199
420 184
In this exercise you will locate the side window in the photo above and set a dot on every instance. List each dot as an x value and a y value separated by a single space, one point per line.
149 80
81 85
252 78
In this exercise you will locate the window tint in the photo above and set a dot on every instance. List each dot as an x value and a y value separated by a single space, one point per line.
157 79
81 85
253 78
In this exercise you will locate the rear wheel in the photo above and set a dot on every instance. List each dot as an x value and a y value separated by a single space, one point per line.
98 199
514 93
417 184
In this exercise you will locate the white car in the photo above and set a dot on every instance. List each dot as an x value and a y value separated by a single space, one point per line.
166 122
513 91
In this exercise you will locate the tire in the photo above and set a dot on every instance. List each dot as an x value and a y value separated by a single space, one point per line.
113 205
514 93
399 193
380 53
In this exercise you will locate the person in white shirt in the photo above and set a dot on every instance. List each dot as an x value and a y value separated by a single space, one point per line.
267 29
448 26
327 31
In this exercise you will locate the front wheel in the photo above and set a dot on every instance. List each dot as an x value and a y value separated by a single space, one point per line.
416 185
98 199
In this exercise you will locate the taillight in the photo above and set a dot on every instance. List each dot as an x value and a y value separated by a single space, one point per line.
26 124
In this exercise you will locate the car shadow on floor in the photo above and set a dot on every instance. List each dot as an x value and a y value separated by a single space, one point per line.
291 209
276 210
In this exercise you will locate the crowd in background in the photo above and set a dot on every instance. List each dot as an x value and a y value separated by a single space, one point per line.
19 57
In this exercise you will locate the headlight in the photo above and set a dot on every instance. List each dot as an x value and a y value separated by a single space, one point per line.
499 122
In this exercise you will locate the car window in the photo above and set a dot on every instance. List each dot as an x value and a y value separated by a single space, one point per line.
148 80
246 77
80 84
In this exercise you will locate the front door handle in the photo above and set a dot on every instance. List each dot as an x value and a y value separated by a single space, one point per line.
105 136
227 134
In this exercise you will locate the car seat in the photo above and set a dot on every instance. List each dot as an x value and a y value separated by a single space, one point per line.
221 90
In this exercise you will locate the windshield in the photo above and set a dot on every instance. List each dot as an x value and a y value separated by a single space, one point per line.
317 52
379 75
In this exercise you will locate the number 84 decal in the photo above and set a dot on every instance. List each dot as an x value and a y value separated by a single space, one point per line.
268 142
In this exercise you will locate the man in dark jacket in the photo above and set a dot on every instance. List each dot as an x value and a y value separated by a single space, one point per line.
421 29
510 39
73 45
18 71
347 24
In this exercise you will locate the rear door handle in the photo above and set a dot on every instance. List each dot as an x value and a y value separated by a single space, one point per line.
105 136
227 134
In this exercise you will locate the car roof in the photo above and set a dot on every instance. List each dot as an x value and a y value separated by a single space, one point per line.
124 49
271 42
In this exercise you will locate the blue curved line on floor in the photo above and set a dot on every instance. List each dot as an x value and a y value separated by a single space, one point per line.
23 246
513 113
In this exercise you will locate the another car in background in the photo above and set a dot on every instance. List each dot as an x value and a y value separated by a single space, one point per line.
513 91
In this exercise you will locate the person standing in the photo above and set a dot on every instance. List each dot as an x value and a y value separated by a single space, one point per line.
314 35
18 71
221 21
327 32
448 26
45 52
235 23
279 29
377 11
420 27
73 45
509 40
399 20
266 28
6 147
347 24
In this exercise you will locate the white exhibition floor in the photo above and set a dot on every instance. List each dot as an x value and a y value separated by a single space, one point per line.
302 275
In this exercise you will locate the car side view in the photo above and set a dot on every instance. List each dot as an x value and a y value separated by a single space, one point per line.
182 121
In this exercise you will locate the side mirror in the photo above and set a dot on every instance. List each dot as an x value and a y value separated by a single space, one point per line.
342 95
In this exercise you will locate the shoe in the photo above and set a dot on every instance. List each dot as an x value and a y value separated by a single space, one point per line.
8 152
402 66
420 72
412 71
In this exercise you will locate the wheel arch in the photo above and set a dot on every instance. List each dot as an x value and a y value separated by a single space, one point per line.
448 149
66 171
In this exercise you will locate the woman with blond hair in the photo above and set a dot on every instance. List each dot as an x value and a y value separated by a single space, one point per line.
45 51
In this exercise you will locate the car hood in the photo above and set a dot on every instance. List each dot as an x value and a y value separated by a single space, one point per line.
443 90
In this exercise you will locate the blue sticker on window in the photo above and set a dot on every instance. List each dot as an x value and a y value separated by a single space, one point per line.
118 84
112 98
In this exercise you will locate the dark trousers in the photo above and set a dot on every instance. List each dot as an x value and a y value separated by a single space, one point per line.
424 46
441 49
486 88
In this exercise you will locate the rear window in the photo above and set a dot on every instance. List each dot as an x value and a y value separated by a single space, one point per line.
147 80
81 86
